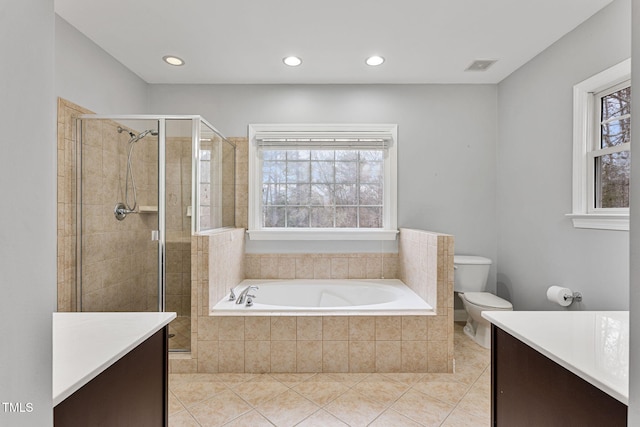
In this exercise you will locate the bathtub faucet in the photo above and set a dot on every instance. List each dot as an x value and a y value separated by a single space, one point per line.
243 294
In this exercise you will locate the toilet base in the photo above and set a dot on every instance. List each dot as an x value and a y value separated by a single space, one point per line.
478 332
477 327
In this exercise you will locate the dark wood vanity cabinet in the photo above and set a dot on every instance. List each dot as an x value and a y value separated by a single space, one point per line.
131 392
529 389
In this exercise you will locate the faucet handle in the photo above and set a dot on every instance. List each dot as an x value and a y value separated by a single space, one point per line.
232 295
249 302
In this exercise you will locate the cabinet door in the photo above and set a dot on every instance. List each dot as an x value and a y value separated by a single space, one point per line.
131 392
529 389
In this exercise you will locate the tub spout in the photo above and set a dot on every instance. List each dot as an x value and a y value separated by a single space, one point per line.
240 299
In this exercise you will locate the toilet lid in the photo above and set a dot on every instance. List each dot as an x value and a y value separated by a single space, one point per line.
486 299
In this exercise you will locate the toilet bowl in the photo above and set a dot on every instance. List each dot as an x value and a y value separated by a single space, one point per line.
478 328
470 280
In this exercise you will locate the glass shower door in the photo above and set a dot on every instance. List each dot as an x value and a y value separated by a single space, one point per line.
118 218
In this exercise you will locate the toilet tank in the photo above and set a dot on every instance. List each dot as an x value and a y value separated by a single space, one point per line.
470 273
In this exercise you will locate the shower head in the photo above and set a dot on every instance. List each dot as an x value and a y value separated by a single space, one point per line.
121 129
141 135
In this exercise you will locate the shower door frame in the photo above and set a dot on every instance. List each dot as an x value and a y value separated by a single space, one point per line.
161 119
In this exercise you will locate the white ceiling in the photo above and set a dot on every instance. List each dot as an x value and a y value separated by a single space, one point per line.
244 41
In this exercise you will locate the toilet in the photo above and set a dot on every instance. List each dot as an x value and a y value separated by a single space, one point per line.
470 279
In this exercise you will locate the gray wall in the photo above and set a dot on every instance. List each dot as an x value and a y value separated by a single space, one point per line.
88 76
634 356
446 148
537 244
28 192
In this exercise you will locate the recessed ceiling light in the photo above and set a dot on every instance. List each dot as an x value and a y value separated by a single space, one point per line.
292 61
173 60
374 60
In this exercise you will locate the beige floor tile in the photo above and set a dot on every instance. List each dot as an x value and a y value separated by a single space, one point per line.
259 390
182 419
435 377
220 409
447 391
251 419
322 418
467 375
291 380
421 408
231 379
477 401
190 393
174 404
321 392
355 409
405 378
191 378
287 409
484 382
396 399
381 389
348 380
391 418
460 418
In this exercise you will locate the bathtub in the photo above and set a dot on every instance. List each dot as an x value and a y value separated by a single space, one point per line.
325 297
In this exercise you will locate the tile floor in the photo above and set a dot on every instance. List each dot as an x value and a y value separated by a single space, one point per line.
324 400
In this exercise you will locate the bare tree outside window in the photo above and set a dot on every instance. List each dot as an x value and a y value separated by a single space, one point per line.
613 166
320 188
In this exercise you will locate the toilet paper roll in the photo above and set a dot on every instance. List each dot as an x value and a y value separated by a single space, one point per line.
556 294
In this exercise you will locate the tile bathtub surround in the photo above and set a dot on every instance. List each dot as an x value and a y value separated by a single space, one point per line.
322 266
425 261
217 264
318 344
405 399
288 353
311 344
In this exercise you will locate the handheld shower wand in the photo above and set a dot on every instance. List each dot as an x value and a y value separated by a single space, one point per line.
122 209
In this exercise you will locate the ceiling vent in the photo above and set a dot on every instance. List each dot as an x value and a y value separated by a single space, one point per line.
481 64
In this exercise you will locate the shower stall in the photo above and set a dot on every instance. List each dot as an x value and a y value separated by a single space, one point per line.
144 186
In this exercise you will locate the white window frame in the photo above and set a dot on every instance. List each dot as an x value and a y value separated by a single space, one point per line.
584 214
390 202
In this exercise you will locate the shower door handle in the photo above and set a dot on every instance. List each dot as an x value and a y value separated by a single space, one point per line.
155 236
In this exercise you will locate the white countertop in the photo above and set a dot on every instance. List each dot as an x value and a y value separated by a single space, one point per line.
85 344
592 344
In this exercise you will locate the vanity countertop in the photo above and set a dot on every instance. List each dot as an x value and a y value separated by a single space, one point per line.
594 345
85 344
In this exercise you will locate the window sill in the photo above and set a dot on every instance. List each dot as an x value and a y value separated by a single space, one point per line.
618 222
322 234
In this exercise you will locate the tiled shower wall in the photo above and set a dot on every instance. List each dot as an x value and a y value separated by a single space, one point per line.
178 240
120 266
110 248
67 204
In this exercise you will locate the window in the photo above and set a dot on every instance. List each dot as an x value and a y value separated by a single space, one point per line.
611 155
322 182
601 159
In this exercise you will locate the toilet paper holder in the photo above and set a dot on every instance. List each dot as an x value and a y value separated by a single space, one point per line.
563 296
576 296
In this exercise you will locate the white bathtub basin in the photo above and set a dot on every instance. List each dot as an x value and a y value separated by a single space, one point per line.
348 297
